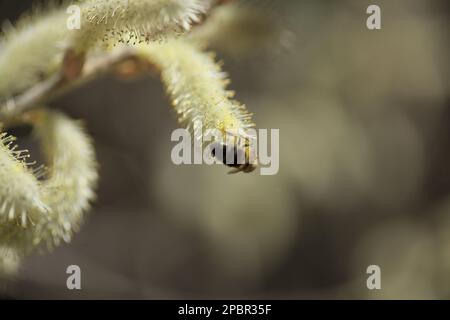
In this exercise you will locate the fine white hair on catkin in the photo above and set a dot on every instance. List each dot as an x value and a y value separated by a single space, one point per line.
67 189
20 191
72 176
197 86
30 50
33 49
134 21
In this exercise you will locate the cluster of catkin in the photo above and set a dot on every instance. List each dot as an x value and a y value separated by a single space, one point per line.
43 206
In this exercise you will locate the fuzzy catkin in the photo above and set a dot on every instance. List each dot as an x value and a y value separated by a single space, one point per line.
30 50
20 191
134 21
73 175
34 48
67 189
197 86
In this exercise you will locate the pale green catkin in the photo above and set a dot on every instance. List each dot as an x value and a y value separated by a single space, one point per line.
20 191
197 86
35 211
30 50
34 48
67 189
134 21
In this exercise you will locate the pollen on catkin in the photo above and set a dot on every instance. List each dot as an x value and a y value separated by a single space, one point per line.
197 86
34 47
67 188
113 22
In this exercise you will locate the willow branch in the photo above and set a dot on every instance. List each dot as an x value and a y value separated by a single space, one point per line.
74 73
64 81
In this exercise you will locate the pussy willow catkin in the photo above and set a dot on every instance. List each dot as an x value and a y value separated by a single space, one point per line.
34 47
30 50
20 190
38 209
197 86
72 176
67 189
134 21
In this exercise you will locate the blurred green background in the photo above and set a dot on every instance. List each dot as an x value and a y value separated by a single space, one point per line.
364 119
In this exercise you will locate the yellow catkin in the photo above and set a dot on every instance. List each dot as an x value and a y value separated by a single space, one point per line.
30 50
67 189
20 194
34 48
197 86
72 177
132 21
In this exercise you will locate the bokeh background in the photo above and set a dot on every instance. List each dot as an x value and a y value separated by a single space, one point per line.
364 119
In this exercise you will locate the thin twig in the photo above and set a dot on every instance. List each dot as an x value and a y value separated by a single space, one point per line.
61 83
65 80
